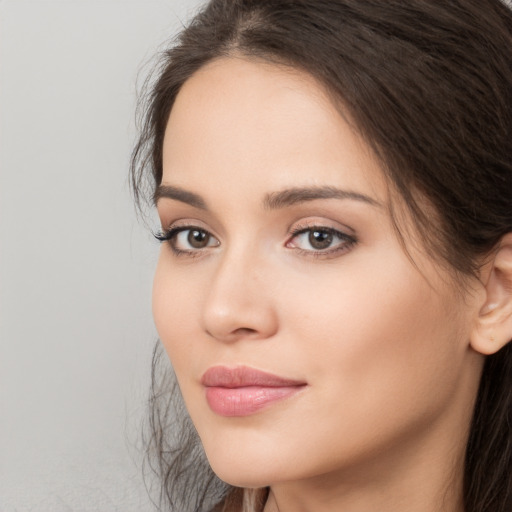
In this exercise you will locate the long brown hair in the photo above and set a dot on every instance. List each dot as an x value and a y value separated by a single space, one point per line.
429 87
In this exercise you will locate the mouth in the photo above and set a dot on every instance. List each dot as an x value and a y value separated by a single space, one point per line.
243 391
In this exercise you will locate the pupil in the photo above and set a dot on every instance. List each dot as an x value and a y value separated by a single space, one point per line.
320 239
197 239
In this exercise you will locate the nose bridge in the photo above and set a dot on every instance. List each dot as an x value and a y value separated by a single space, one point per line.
238 303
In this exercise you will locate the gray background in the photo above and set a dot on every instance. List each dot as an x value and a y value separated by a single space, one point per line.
75 264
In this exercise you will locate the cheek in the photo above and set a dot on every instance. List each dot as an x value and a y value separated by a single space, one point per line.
376 341
378 304
172 303
177 301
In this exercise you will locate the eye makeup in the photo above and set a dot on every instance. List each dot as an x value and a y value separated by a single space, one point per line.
324 241
195 237
319 241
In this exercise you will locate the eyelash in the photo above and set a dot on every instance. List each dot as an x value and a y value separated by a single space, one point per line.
169 236
348 240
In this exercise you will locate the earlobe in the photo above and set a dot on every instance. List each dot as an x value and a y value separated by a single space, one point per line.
493 327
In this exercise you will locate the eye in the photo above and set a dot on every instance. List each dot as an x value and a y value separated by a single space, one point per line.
187 239
320 240
193 238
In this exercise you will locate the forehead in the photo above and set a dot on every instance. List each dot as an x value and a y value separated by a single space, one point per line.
254 122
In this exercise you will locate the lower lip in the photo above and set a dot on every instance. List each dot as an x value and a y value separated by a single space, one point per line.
244 401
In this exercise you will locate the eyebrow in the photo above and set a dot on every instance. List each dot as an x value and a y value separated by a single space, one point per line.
272 201
292 196
179 194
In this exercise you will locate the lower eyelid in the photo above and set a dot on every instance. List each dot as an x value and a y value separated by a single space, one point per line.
331 252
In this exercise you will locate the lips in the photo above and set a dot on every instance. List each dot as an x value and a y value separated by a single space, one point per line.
242 391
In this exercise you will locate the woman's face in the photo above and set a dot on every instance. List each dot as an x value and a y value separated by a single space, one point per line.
282 258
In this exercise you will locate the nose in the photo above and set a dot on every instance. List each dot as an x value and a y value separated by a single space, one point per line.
239 303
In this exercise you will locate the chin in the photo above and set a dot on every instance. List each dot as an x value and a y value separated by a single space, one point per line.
250 467
248 481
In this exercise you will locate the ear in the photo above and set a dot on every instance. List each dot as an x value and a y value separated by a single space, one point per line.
493 327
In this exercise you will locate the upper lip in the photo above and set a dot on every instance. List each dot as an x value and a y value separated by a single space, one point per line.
244 376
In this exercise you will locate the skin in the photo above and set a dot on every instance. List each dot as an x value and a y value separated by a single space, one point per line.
383 344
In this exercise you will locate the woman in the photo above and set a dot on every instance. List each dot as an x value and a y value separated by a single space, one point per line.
334 288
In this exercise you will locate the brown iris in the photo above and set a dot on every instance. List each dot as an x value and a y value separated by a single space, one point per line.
320 239
198 238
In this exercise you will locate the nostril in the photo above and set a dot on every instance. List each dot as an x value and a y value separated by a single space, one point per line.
244 331
241 332
236 334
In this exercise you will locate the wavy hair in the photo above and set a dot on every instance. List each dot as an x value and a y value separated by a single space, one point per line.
428 85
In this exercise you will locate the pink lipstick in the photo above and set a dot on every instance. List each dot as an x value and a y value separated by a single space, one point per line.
242 391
